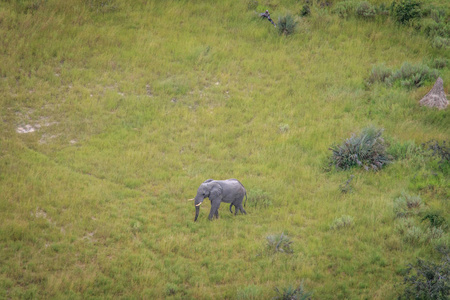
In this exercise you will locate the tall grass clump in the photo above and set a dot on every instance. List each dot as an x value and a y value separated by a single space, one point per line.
427 280
342 222
291 293
366 150
286 25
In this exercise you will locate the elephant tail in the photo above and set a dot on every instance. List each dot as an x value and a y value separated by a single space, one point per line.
231 211
245 198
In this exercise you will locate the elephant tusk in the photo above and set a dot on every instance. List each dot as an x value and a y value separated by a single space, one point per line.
190 199
199 204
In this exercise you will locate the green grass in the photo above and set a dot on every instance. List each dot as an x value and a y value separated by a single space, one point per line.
139 102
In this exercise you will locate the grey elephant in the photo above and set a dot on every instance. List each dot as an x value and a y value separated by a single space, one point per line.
228 191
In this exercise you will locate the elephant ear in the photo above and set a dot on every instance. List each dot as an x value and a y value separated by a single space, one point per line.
216 191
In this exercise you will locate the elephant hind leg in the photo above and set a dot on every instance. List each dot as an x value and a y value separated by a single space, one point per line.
216 214
242 210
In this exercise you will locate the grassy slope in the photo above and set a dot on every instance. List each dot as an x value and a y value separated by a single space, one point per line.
147 101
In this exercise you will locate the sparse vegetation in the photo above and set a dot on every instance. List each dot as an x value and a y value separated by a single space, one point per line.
113 112
286 24
342 222
279 243
291 293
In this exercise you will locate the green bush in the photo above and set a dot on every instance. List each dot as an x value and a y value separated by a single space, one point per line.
365 10
440 42
404 11
439 63
427 280
344 9
366 150
435 218
380 73
413 75
406 205
291 293
286 24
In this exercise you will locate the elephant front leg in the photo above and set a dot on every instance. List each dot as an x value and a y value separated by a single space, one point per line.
214 210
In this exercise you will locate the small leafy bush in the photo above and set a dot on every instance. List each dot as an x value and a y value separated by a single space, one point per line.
380 73
440 42
366 150
291 293
259 198
439 63
413 75
342 222
404 11
435 218
365 10
406 206
306 11
344 9
439 150
286 24
427 280
279 243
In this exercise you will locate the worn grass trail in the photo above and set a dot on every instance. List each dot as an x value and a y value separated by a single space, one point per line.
135 104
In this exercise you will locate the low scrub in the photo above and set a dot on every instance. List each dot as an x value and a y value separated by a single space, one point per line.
342 222
427 280
366 150
407 205
279 243
291 293
365 10
408 75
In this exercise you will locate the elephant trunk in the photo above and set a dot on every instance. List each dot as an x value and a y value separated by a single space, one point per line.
197 211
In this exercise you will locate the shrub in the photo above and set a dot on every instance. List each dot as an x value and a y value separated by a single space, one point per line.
427 280
406 205
286 25
435 218
413 75
306 11
279 243
440 150
380 73
344 9
365 10
439 63
432 28
440 42
259 198
405 10
342 222
283 128
414 235
291 293
366 150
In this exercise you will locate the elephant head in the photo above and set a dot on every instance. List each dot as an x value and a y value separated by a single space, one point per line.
208 189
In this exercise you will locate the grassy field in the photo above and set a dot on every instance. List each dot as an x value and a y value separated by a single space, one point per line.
131 105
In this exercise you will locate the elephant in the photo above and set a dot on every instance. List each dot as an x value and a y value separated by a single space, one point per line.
228 191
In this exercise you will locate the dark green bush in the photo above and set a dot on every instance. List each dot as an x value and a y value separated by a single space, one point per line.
366 150
365 10
435 218
291 293
427 280
286 25
404 11
306 11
